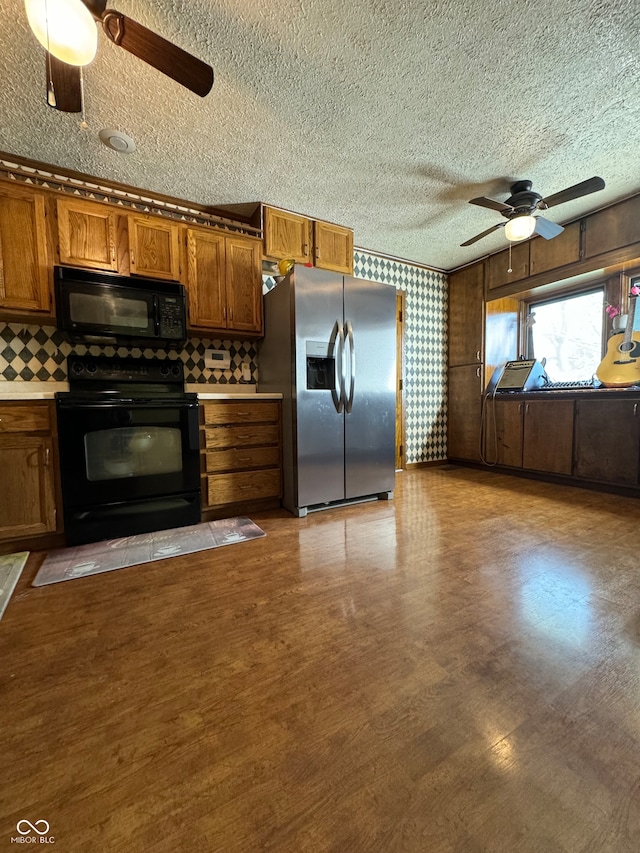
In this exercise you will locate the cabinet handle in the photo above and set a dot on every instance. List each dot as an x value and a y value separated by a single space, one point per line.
526 408
46 457
113 253
245 488
477 355
635 409
244 459
478 372
305 248
243 436
133 258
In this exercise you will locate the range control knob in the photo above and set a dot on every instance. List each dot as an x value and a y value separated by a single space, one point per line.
77 367
176 370
164 370
92 366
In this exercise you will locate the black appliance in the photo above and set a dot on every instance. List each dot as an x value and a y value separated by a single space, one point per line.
129 448
95 306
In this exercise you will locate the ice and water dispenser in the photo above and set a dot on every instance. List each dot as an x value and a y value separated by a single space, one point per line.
321 366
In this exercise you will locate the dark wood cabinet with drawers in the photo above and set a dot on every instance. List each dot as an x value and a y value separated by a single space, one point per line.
241 453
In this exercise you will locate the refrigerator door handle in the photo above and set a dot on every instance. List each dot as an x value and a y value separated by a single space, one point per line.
338 393
352 368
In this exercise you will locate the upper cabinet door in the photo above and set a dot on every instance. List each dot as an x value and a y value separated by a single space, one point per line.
154 247
561 250
24 269
287 235
333 247
86 234
466 315
612 227
498 274
244 284
205 279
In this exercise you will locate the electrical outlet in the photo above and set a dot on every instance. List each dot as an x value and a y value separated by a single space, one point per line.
246 372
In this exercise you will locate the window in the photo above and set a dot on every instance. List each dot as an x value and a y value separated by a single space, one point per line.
567 331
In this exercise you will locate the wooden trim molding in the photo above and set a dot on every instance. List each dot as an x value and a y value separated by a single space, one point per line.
47 176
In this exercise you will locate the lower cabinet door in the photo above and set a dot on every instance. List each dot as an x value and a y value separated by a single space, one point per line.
464 412
27 492
548 436
607 437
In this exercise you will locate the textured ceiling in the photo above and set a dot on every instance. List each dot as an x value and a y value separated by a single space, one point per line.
386 116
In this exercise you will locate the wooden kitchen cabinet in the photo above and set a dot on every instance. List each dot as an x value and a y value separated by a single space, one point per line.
25 276
223 277
287 235
607 440
90 233
464 412
87 234
612 228
242 452
307 241
503 431
154 247
498 274
466 316
243 278
536 435
333 247
27 470
551 254
547 443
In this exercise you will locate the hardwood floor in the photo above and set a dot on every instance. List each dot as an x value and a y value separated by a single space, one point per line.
455 671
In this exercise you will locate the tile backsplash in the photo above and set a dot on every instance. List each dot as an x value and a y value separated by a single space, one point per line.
39 353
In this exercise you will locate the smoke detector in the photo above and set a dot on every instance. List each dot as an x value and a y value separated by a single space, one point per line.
117 141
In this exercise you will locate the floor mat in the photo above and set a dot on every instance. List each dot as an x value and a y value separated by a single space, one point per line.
64 564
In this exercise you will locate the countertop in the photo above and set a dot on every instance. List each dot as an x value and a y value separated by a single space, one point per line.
47 390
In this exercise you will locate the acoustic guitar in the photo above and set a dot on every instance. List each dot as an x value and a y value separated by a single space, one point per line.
620 368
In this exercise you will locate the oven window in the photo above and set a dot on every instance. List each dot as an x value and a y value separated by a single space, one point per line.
112 454
108 310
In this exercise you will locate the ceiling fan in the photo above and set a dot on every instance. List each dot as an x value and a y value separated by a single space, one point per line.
67 31
524 202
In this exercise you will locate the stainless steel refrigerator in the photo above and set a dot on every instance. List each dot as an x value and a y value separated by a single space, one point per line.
330 349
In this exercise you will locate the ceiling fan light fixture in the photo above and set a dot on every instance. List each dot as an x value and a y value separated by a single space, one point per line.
520 227
65 28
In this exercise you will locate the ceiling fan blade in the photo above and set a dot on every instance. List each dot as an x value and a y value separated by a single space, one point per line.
546 228
490 203
484 234
591 185
64 91
158 52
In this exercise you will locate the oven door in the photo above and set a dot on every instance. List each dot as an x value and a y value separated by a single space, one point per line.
127 458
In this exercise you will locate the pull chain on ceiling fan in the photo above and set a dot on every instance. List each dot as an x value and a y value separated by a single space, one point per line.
67 30
523 203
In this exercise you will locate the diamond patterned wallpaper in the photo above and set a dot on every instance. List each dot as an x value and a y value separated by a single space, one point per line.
425 351
40 353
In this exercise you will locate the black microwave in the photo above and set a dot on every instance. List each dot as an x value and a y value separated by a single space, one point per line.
106 308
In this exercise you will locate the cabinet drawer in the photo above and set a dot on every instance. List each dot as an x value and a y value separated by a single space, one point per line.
242 436
243 486
236 459
240 413
24 419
